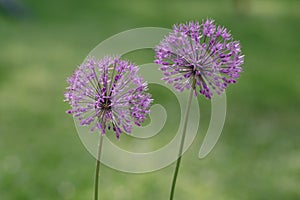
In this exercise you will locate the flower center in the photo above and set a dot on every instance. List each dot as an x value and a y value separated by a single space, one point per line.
106 104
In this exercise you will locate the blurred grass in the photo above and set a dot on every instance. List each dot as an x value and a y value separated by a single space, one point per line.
41 156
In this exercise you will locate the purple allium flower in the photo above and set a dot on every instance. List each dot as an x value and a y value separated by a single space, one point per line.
200 54
108 94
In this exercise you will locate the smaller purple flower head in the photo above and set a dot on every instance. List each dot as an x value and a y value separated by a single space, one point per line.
108 94
200 55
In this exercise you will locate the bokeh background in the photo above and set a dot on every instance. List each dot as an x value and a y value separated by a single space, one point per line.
41 156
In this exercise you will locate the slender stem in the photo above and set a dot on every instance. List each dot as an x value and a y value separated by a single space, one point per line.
98 166
186 117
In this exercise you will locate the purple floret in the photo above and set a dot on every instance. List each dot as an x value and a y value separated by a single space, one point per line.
108 94
204 53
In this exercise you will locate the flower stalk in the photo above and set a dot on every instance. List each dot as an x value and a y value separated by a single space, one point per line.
186 118
98 167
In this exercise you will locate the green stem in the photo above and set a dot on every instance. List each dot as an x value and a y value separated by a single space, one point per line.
98 166
186 117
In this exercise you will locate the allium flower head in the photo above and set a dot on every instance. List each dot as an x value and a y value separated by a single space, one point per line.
108 94
200 55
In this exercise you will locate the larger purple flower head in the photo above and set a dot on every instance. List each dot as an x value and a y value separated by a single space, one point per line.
203 55
108 94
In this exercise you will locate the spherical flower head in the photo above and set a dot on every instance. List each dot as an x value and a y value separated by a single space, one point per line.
108 94
200 55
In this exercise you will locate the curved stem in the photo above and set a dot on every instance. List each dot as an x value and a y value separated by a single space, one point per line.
98 166
186 117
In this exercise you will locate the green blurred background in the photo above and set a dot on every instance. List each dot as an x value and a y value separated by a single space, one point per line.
41 156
